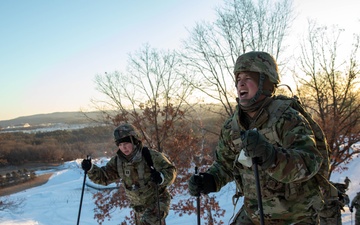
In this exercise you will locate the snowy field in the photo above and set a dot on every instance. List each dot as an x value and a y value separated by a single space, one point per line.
58 201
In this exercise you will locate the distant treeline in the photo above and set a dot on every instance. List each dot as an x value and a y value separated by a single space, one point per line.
56 146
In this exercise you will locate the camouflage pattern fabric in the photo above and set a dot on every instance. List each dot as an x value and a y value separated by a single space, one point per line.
260 62
355 203
331 213
290 193
146 216
136 178
126 130
242 219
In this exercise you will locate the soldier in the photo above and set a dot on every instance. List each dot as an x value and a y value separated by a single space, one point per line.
286 153
356 203
143 172
347 182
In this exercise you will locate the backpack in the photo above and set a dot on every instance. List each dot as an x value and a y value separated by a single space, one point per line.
277 108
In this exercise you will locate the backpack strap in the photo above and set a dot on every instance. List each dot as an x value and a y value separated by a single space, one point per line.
276 109
148 159
235 132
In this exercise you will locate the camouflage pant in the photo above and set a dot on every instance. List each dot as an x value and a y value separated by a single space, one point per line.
149 218
242 218
149 215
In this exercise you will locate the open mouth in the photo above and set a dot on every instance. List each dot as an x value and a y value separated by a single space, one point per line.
243 94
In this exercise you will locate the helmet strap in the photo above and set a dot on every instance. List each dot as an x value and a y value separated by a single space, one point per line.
253 104
260 90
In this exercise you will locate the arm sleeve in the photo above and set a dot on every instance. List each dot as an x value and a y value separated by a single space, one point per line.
225 156
297 158
106 174
164 166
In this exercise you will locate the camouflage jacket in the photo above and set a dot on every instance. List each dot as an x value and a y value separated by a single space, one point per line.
289 189
136 176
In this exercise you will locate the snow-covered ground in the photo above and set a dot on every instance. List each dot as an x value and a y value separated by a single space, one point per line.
58 201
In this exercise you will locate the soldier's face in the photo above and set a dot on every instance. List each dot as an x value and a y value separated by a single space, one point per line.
126 147
246 86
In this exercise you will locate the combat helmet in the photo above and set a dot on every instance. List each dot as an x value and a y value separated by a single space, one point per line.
264 64
126 133
256 61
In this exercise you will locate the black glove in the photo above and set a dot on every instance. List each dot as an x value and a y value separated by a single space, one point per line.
202 183
340 196
86 164
156 177
351 209
256 146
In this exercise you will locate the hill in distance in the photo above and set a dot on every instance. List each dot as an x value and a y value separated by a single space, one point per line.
51 118
32 122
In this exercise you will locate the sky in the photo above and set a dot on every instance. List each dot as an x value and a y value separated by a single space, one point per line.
51 51
58 201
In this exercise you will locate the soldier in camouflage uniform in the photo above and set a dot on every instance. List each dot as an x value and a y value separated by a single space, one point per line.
356 203
287 163
140 181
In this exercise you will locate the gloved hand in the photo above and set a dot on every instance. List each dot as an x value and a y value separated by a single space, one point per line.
340 196
86 165
202 183
156 177
256 146
351 209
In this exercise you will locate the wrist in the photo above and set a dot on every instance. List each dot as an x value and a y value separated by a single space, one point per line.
270 159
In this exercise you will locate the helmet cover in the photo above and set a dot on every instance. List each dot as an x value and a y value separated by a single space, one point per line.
260 62
126 130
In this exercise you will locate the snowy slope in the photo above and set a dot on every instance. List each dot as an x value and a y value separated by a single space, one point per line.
58 201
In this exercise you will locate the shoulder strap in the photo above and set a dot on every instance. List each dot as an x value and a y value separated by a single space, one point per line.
235 135
147 156
275 110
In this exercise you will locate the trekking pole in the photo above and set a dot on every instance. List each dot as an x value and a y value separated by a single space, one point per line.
158 202
197 197
157 196
247 161
258 189
82 192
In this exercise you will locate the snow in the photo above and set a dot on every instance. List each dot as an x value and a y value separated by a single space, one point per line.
58 201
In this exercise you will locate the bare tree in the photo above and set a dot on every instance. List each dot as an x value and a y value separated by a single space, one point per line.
328 86
211 50
152 95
